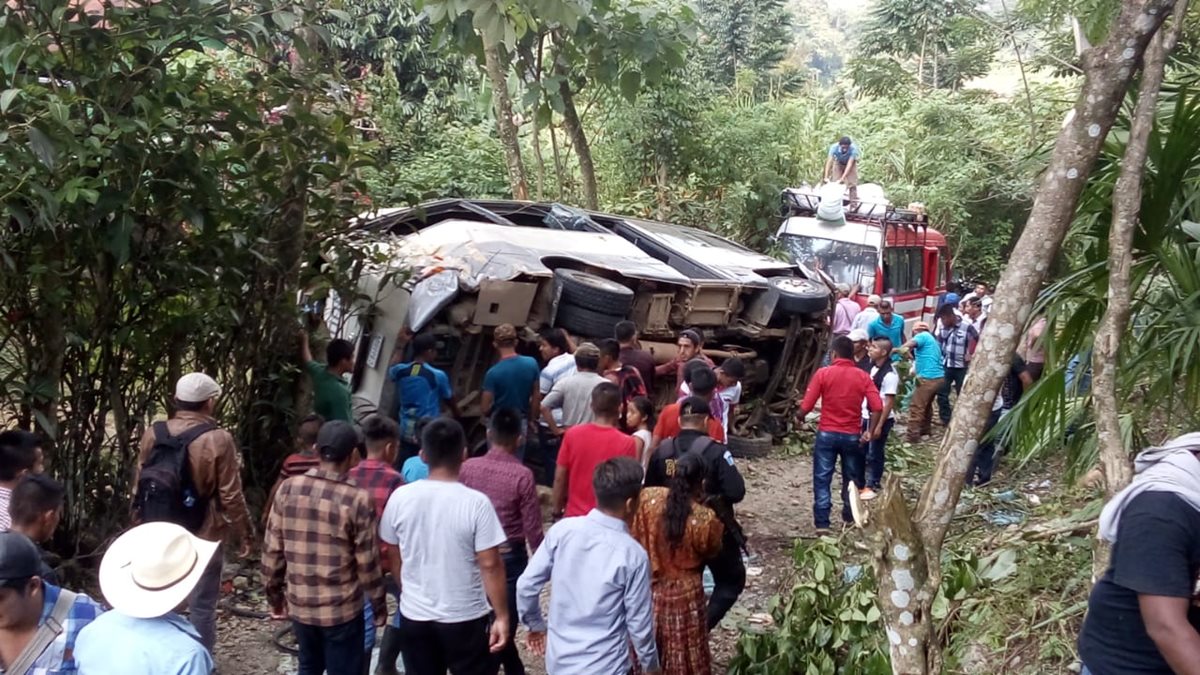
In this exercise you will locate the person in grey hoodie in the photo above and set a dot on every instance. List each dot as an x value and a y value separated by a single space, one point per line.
1144 614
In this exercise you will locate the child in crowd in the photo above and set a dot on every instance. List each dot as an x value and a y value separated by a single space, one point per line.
302 460
729 387
640 418
415 468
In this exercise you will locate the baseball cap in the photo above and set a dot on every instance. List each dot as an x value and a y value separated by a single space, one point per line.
19 557
196 388
694 405
336 440
921 326
588 349
505 332
873 300
952 298
843 288
859 335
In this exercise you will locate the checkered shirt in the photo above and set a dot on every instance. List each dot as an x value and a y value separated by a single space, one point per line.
510 486
321 553
379 479
954 342
59 657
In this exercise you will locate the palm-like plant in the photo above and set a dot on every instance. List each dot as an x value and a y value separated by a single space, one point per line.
1159 368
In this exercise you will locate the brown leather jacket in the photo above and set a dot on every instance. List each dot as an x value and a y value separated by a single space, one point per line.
216 471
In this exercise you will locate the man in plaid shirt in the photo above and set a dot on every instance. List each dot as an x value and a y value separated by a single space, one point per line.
322 557
376 475
956 338
26 602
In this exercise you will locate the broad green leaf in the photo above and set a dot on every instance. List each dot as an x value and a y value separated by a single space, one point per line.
43 147
631 84
7 97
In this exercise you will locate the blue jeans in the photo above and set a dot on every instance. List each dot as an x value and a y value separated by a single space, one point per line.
826 451
515 562
333 650
876 456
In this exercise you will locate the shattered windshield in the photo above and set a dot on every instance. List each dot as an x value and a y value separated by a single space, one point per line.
844 263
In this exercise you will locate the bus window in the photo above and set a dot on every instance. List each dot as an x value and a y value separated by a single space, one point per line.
903 268
943 269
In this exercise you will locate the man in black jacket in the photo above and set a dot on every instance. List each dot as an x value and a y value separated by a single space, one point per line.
724 487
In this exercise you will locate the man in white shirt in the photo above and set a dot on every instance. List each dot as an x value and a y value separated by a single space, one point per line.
888 383
600 605
557 353
569 402
449 564
981 293
869 314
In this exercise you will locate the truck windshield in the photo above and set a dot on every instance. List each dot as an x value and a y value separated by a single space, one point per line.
844 263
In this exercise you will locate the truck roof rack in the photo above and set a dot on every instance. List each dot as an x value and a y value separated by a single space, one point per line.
803 201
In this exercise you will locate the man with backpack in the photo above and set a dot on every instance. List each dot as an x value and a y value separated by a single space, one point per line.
190 474
724 487
420 391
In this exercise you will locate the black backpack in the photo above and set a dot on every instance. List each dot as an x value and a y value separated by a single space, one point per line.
165 489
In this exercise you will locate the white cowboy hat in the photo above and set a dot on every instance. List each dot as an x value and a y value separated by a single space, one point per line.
151 569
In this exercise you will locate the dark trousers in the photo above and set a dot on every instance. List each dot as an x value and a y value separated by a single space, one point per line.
826 451
985 455
514 565
202 604
954 378
431 647
876 457
548 445
334 650
729 579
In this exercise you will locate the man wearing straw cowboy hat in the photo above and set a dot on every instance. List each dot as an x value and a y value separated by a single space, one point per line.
146 574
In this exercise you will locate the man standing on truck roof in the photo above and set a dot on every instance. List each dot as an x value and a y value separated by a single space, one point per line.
842 165
513 381
420 390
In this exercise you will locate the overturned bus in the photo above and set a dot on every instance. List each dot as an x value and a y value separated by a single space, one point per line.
458 268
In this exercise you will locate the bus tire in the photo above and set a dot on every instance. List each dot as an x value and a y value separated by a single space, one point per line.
749 447
800 296
586 322
596 293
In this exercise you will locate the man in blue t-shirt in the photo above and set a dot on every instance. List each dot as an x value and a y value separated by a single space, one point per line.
887 325
927 357
420 390
513 381
842 165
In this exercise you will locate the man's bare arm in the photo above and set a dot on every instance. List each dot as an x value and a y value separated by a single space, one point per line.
1167 625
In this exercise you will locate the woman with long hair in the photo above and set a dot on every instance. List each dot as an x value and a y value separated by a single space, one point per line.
679 533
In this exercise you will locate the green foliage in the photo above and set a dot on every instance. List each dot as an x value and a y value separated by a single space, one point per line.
751 35
940 44
158 198
1159 365
828 623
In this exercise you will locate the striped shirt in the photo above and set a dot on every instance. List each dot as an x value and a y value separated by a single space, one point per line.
320 551
955 342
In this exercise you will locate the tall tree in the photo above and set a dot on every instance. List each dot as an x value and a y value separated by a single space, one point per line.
751 35
911 543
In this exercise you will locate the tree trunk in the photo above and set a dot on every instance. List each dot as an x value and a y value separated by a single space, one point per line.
903 573
574 127
921 62
538 158
502 105
1108 70
1127 201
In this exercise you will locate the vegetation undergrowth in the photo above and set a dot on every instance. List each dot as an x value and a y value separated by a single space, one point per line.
1016 573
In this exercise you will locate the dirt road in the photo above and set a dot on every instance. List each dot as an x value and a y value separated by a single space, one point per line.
777 510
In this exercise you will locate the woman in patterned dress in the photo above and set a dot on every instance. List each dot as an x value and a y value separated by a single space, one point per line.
679 533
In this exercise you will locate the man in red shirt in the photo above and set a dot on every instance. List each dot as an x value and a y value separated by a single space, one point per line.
841 387
704 385
586 446
375 474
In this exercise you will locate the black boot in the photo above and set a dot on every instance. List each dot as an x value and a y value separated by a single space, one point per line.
389 651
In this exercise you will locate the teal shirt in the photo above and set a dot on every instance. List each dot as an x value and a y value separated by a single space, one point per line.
928 357
894 332
511 383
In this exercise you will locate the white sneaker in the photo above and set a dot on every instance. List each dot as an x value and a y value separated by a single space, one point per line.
867 494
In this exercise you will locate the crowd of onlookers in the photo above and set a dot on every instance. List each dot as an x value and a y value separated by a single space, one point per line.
391 504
